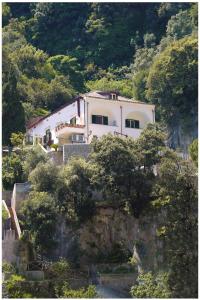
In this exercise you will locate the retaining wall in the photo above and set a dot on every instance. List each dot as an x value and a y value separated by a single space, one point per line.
10 247
118 281
70 150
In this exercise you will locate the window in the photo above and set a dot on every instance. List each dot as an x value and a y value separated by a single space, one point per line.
130 123
113 96
99 120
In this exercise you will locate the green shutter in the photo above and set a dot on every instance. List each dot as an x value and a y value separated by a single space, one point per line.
105 120
93 119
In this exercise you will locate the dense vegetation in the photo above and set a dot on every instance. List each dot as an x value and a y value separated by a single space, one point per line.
52 51
122 171
56 285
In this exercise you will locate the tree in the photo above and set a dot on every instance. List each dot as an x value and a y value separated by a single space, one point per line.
74 195
180 25
45 177
151 285
119 173
38 215
69 67
12 171
150 144
172 84
33 157
193 150
177 192
6 13
124 86
17 139
12 110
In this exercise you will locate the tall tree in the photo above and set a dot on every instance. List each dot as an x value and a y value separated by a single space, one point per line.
177 183
13 113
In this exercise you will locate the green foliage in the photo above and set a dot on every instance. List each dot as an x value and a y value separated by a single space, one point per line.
33 157
172 83
58 270
54 146
8 268
177 183
124 86
193 149
6 14
4 214
14 288
180 25
12 171
150 143
75 193
38 215
12 110
151 286
89 292
17 139
44 178
68 66
122 168
118 254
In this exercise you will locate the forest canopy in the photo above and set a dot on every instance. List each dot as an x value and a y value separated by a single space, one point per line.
53 51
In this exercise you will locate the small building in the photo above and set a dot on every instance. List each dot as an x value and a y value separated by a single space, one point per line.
91 115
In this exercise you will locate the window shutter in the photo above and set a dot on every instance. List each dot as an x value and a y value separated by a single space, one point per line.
137 124
93 119
105 120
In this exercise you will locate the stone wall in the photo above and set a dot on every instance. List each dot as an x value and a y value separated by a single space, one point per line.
56 157
118 281
10 247
20 193
82 150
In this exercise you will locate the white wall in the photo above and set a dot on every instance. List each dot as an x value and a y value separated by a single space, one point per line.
112 109
55 119
94 106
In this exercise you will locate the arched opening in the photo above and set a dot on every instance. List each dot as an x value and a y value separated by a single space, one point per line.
137 120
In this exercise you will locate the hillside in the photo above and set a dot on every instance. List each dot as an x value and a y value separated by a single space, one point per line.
53 51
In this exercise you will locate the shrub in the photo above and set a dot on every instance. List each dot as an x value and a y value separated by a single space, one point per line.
193 150
151 286
14 287
8 268
33 157
89 292
59 269
17 139
38 215
12 171
54 146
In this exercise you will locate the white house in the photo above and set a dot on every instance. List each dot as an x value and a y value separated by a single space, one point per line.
92 114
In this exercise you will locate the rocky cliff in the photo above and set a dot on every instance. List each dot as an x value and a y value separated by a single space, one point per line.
112 226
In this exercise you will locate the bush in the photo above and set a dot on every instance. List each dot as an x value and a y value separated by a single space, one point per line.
8 268
14 288
17 139
38 215
12 171
193 150
54 146
45 177
89 292
151 286
33 157
59 269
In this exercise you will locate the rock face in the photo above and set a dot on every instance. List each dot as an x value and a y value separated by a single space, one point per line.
111 226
